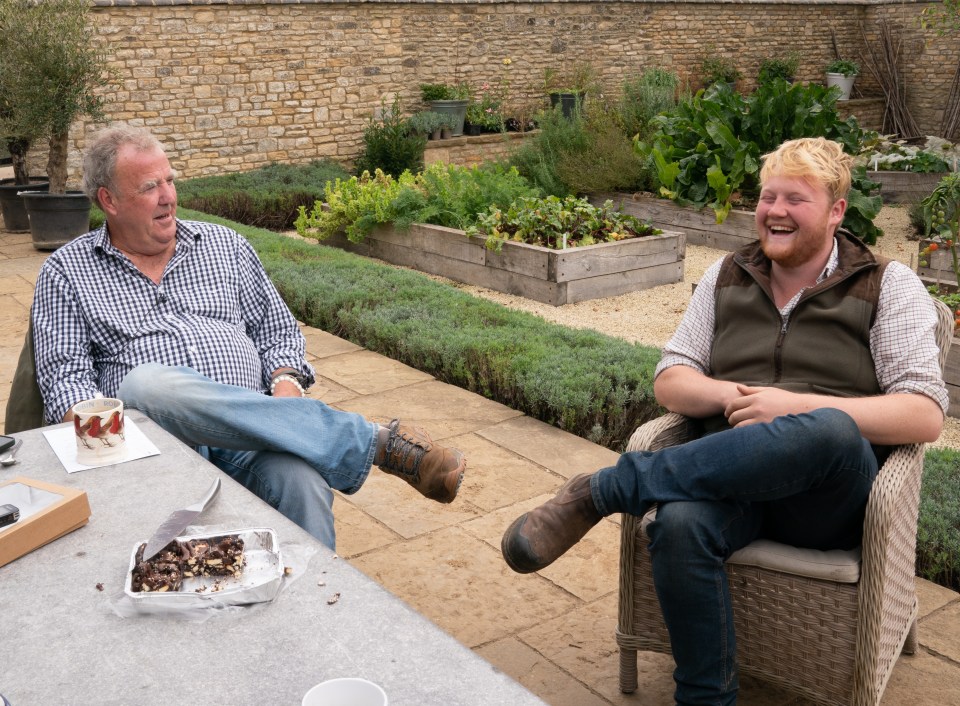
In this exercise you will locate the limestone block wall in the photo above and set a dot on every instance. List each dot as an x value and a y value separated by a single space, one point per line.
232 85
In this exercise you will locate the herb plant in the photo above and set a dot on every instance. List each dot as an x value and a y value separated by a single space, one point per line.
845 67
557 223
941 213
390 144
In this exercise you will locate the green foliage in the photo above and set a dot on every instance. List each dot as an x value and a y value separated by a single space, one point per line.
355 205
443 92
269 197
55 67
718 69
587 153
446 195
784 67
882 153
845 67
454 196
390 144
941 215
580 77
938 526
643 97
427 122
557 223
943 17
709 147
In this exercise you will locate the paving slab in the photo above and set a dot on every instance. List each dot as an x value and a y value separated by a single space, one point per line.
923 679
321 343
366 372
933 597
538 674
497 477
396 505
327 390
552 448
358 532
940 632
443 410
462 585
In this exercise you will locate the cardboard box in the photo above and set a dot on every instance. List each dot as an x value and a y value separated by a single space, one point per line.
57 511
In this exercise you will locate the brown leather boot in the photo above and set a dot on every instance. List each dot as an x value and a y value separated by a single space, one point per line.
538 538
411 454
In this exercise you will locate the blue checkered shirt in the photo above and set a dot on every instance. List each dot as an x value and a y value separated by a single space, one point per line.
96 316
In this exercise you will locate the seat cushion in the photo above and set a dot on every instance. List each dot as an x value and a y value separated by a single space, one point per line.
834 565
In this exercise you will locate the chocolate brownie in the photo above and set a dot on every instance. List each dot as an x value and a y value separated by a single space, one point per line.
214 556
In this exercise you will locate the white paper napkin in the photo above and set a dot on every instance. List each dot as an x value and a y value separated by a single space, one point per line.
64 443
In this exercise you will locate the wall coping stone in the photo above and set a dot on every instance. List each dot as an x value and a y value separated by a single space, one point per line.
168 3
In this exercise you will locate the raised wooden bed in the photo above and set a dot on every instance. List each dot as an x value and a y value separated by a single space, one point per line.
551 276
700 226
904 187
952 377
939 267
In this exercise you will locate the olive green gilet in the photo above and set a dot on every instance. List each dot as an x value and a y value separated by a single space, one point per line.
823 348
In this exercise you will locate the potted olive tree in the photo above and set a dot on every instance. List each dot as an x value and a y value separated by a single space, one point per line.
64 69
19 125
842 73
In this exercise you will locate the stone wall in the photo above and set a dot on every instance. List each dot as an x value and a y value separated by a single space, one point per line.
235 84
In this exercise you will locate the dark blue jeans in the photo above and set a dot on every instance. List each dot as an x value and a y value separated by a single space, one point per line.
801 479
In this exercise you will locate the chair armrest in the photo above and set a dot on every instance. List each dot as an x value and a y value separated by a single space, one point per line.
887 598
669 430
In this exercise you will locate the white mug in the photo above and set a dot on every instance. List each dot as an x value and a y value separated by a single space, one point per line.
98 427
348 691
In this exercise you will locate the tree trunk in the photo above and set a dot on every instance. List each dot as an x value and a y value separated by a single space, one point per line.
57 163
17 147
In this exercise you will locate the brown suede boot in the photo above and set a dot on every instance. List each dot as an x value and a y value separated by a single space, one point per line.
411 454
538 538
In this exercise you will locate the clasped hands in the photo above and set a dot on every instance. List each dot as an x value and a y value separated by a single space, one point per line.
754 405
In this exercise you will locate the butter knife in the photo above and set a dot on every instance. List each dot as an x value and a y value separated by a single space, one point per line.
179 521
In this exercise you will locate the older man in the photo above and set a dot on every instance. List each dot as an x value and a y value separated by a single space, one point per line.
807 357
180 320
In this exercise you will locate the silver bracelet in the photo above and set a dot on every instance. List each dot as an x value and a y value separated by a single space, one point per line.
288 378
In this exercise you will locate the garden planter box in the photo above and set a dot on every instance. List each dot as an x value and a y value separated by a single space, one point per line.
551 276
700 226
952 377
939 268
904 187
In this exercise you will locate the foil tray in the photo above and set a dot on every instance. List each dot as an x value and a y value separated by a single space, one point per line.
259 582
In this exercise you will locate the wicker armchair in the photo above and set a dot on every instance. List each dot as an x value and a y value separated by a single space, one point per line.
826 625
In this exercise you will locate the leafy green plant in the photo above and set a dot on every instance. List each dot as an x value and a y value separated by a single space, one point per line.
446 195
269 197
581 77
355 205
390 144
645 96
784 67
846 67
707 150
718 69
941 214
552 222
444 92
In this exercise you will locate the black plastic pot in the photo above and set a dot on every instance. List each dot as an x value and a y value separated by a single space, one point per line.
570 103
11 205
56 219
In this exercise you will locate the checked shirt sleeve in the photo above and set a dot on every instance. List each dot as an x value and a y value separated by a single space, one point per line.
269 322
65 372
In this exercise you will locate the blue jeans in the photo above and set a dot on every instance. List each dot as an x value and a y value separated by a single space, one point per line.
289 451
800 479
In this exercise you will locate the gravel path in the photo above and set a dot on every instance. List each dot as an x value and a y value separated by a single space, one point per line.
650 316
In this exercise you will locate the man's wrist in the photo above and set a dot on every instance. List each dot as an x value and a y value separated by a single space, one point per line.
285 377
